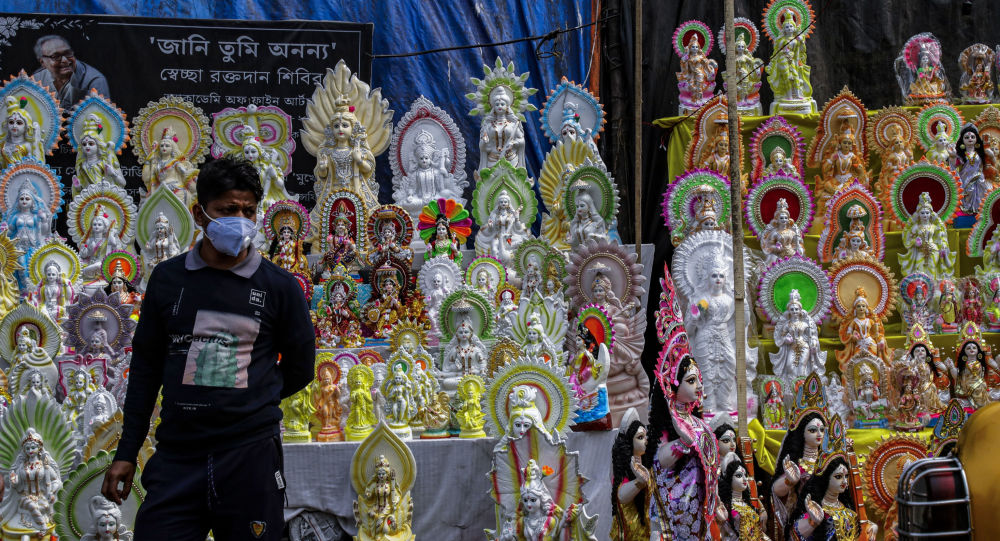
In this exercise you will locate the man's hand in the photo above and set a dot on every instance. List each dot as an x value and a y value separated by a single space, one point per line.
121 472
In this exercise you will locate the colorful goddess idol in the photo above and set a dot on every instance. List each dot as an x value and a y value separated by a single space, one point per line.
892 134
427 156
605 274
920 73
286 223
573 113
926 239
799 455
382 474
98 131
969 368
777 147
501 97
32 122
749 70
739 520
444 226
782 237
630 494
54 269
969 158
261 136
696 80
504 206
173 138
696 201
830 506
839 148
788 24
976 62
703 265
347 125
588 374
682 451
30 199
938 127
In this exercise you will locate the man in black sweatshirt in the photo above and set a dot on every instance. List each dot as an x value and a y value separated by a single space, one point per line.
226 334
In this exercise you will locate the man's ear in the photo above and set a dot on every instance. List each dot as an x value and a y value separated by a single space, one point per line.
199 215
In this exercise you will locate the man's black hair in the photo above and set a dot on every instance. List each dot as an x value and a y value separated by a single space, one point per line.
219 176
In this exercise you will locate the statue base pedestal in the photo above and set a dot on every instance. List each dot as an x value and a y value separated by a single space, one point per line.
404 432
417 430
435 435
357 434
751 110
802 106
330 435
296 437
12 533
598 425
471 434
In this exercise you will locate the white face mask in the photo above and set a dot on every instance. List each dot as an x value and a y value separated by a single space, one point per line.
230 234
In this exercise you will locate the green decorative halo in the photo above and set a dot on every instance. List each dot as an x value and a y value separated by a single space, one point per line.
173 208
501 76
504 177
774 12
553 396
72 507
39 324
60 252
679 200
929 118
984 226
493 267
596 182
45 416
465 300
799 274
941 181
531 246
128 262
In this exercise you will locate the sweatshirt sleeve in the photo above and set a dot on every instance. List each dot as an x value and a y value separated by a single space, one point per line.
298 344
149 350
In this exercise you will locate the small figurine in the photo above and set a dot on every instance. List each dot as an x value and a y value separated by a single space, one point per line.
101 220
852 227
588 374
444 225
502 98
382 474
296 412
347 125
592 197
972 303
265 161
24 137
336 321
862 331
934 386
464 354
427 156
772 405
96 161
782 237
796 333
696 80
502 228
948 306
470 415
939 125
892 133
341 244
992 312
606 274
28 506
866 376
78 389
926 239
969 158
916 291
906 402
285 225
326 401
696 201
788 25
839 148
54 291
787 150
977 73
630 484
742 522
27 357
437 279
749 70
361 420
167 159
262 136
401 408
920 73
968 370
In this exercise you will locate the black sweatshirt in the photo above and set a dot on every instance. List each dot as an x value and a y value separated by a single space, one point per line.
212 339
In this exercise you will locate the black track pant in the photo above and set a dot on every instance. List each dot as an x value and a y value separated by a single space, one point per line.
237 493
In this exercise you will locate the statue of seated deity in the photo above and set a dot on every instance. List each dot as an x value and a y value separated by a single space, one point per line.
503 231
782 237
464 354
